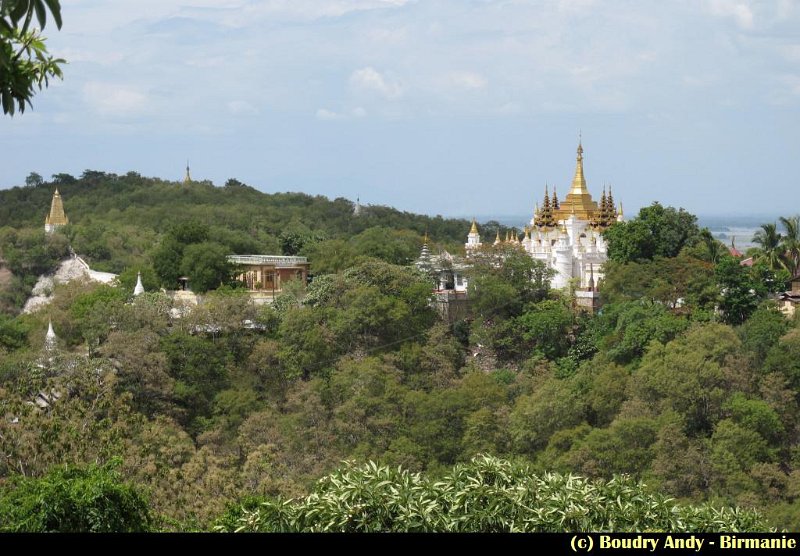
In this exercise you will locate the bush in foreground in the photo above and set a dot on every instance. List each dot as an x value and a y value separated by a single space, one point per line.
485 495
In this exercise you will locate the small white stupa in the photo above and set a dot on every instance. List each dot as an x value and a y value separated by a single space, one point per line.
50 339
139 289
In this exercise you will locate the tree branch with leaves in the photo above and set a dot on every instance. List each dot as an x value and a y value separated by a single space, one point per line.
25 64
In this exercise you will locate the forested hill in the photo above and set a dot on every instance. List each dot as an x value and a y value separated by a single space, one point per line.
105 199
117 223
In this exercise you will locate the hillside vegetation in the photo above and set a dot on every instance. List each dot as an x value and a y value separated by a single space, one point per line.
117 223
686 380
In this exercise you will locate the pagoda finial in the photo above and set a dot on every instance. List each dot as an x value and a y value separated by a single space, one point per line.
579 181
472 230
497 238
188 177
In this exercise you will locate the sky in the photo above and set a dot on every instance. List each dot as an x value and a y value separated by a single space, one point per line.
451 107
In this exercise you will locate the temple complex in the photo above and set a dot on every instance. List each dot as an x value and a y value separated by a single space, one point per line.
56 217
566 234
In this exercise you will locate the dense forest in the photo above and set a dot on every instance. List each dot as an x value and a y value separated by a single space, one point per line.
683 386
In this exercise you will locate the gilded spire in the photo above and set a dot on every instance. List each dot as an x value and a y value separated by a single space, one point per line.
188 178
56 217
579 182
554 203
472 230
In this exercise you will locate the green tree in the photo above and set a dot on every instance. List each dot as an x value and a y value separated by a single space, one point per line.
791 243
633 325
398 247
655 231
206 264
763 330
771 248
686 376
740 293
200 370
784 358
73 500
24 61
34 180
504 279
544 327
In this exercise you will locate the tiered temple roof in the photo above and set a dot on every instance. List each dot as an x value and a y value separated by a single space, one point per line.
577 203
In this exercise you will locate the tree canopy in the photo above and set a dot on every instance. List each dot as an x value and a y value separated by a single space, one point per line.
656 231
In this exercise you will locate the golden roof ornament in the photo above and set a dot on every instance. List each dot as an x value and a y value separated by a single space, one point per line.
188 177
472 230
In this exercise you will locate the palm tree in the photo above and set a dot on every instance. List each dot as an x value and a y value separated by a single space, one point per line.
791 243
770 241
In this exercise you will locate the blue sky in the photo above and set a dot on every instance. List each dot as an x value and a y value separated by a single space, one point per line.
452 107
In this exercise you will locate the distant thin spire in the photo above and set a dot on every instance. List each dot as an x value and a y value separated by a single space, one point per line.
188 177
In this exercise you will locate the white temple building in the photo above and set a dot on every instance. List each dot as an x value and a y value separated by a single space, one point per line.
566 235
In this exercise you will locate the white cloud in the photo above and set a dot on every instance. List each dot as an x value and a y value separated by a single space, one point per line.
114 99
102 57
388 36
738 10
368 79
241 107
466 80
329 115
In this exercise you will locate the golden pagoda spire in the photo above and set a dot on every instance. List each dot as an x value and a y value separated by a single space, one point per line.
56 217
579 181
472 230
188 178
497 239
